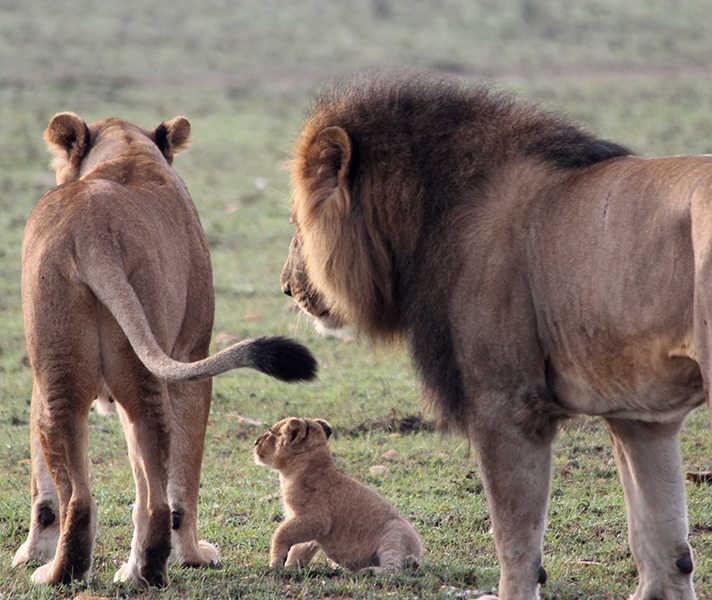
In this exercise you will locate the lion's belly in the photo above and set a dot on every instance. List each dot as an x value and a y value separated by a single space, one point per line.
652 389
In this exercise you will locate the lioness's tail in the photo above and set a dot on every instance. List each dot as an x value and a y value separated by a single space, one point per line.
277 356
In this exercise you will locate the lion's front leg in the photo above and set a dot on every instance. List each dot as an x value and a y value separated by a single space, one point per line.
515 465
650 467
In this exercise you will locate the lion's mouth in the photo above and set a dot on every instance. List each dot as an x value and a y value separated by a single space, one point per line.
327 322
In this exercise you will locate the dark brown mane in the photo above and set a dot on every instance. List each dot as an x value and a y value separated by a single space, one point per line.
424 116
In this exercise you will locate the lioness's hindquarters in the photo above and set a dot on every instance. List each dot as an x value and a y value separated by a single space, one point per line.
326 510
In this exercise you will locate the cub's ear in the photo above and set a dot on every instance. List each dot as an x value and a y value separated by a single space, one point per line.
68 139
172 136
295 431
326 427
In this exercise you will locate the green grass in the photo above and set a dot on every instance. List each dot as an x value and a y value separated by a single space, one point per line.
243 73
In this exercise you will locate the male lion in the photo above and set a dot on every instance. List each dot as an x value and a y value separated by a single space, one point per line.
537 272
118 298
327 510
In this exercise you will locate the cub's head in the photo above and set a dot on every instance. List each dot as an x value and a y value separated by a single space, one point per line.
78 148
289 440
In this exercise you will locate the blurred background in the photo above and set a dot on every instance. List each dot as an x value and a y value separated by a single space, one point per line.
243 72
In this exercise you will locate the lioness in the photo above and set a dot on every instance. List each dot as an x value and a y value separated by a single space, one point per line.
327 510
118 299
536 271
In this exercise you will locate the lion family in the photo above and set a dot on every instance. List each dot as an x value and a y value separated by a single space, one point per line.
535 271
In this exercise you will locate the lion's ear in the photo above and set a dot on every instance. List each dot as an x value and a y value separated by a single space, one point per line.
172 136
67 138
326 427
334 152
295 431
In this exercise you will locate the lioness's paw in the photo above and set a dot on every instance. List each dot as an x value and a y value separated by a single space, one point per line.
23 555
202 554
45 575
209 553
41 547
129 573
42 576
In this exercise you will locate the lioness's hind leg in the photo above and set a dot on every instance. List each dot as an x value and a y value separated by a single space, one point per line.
146 419
41 543
650 467
60 416
191 406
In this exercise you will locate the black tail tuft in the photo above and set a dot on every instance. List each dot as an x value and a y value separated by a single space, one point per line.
283 358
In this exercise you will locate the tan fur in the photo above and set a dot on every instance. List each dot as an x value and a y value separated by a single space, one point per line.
118 300
326 510
536 272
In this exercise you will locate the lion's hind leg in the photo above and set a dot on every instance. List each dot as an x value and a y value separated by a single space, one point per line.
650 467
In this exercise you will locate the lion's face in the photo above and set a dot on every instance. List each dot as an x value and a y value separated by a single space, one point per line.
290 439
296 283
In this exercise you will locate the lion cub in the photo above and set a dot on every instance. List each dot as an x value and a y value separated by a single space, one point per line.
352 524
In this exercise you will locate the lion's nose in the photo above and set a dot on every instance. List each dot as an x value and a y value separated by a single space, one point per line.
287 290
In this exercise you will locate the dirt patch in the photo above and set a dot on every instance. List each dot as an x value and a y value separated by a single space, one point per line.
395 424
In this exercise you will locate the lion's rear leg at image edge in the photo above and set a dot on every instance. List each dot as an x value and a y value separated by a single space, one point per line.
516 468
146 419
187 443
650 468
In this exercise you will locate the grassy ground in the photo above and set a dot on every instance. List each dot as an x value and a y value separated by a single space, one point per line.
636 72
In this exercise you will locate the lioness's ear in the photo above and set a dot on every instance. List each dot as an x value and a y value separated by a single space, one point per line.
172 136
326 427
296 431
67 138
